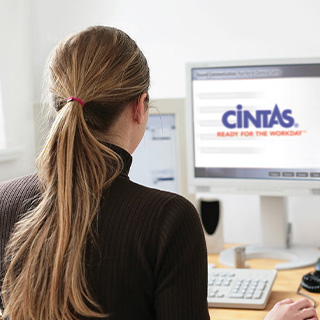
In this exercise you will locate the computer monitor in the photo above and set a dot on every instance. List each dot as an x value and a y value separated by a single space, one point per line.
253 128
159 142
159 160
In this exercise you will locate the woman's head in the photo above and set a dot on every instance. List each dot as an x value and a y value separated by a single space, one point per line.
103 67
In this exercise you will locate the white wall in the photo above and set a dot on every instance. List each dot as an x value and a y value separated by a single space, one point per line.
17 87
170 32
242 219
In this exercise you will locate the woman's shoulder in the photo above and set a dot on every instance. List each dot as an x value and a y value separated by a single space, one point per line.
171 207
19 189
19 183
165 198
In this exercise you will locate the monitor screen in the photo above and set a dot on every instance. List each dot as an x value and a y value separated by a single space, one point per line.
159 142
254 126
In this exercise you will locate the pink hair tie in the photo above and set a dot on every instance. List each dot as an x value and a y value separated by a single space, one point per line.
75 99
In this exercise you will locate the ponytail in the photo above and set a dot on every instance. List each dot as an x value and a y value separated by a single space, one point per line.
73 169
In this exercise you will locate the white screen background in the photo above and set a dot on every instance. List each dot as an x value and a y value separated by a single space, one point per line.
211 98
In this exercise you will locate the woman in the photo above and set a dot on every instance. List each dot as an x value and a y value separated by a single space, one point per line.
89 242
82 240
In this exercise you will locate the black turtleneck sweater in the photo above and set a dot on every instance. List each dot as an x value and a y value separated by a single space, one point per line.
152 260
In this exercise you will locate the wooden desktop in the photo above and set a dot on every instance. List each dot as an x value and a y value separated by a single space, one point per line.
285 286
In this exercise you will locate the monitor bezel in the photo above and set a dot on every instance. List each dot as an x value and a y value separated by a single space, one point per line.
197 185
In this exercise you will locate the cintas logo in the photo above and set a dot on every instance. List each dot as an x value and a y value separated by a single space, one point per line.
260 119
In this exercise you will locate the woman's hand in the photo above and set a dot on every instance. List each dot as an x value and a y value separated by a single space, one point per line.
289 310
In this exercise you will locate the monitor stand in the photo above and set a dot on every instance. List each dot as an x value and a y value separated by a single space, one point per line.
275 239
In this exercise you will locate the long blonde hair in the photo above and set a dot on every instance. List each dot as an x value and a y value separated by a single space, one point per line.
45 258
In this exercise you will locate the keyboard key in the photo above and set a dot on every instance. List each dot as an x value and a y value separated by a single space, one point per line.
236 295
257 294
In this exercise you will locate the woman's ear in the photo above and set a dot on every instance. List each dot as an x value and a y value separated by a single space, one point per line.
140 108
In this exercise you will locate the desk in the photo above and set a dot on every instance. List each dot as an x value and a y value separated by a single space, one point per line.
285 286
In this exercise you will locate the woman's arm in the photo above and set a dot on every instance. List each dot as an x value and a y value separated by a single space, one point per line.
181 268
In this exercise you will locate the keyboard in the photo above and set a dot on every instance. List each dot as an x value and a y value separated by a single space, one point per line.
239 288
